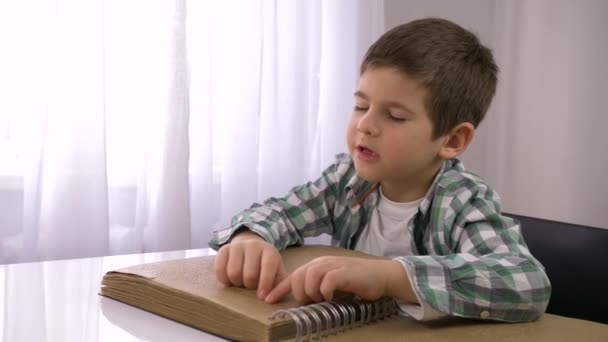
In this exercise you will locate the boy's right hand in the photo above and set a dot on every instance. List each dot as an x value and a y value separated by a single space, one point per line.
251 262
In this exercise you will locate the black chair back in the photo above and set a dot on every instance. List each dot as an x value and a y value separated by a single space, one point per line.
576 260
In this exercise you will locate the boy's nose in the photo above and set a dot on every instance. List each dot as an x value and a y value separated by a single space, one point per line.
367 125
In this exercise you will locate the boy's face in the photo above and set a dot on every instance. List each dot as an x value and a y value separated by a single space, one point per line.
390 134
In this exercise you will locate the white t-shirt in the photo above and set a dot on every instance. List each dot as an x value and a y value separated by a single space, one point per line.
389 234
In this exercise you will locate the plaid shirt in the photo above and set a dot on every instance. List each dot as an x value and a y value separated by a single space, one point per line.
471 261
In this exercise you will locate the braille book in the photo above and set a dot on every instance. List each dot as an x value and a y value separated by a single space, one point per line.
186 291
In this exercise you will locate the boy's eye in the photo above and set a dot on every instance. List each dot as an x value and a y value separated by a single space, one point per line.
394 118
360 109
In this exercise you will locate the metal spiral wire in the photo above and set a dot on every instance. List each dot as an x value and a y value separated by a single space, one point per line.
329 318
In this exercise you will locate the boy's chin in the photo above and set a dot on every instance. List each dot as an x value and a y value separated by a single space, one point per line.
366 175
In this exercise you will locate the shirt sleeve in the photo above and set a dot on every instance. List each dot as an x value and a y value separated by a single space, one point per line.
421 312
480 266
306 210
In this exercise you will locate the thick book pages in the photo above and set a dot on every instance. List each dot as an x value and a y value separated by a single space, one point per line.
549 328
186 290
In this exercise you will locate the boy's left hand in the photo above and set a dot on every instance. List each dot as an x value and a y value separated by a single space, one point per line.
323 277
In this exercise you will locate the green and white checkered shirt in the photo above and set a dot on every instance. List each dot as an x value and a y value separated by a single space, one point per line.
471 261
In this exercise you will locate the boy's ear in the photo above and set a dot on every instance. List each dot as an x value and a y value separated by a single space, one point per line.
457 140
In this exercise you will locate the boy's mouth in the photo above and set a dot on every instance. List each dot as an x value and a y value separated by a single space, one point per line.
366 153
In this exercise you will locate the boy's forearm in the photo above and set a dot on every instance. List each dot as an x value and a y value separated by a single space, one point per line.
397 282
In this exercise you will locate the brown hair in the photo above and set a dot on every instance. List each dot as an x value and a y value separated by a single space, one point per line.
458 71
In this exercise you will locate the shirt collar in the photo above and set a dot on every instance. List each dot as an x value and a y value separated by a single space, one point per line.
428 198
359 189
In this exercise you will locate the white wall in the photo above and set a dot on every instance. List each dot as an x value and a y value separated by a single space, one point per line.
474 15
542 145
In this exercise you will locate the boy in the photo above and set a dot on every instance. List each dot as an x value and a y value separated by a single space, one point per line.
401 193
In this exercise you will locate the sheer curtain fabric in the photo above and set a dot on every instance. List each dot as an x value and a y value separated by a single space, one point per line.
142 126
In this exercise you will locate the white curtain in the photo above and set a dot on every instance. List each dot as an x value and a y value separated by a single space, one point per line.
136 126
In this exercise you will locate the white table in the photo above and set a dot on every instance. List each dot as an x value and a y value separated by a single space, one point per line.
60 301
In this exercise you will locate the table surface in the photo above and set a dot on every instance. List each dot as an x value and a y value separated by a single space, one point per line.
60 301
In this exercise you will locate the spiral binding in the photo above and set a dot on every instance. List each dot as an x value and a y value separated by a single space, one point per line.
337 315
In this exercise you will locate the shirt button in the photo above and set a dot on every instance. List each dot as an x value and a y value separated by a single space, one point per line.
484 314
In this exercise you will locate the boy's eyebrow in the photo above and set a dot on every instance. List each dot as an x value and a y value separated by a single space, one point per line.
392 104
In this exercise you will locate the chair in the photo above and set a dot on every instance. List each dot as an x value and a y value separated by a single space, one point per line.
576 260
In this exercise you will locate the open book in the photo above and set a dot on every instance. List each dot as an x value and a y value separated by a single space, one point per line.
187 291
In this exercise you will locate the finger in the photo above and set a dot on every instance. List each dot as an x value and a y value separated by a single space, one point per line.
279 291
297 285
220 264
281 274
312 283
330 283
235 267
251 267
270 270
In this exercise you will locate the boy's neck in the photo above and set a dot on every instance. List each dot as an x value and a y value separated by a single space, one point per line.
411 189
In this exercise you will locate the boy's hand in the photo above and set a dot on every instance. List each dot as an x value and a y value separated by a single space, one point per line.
323 277
251 262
